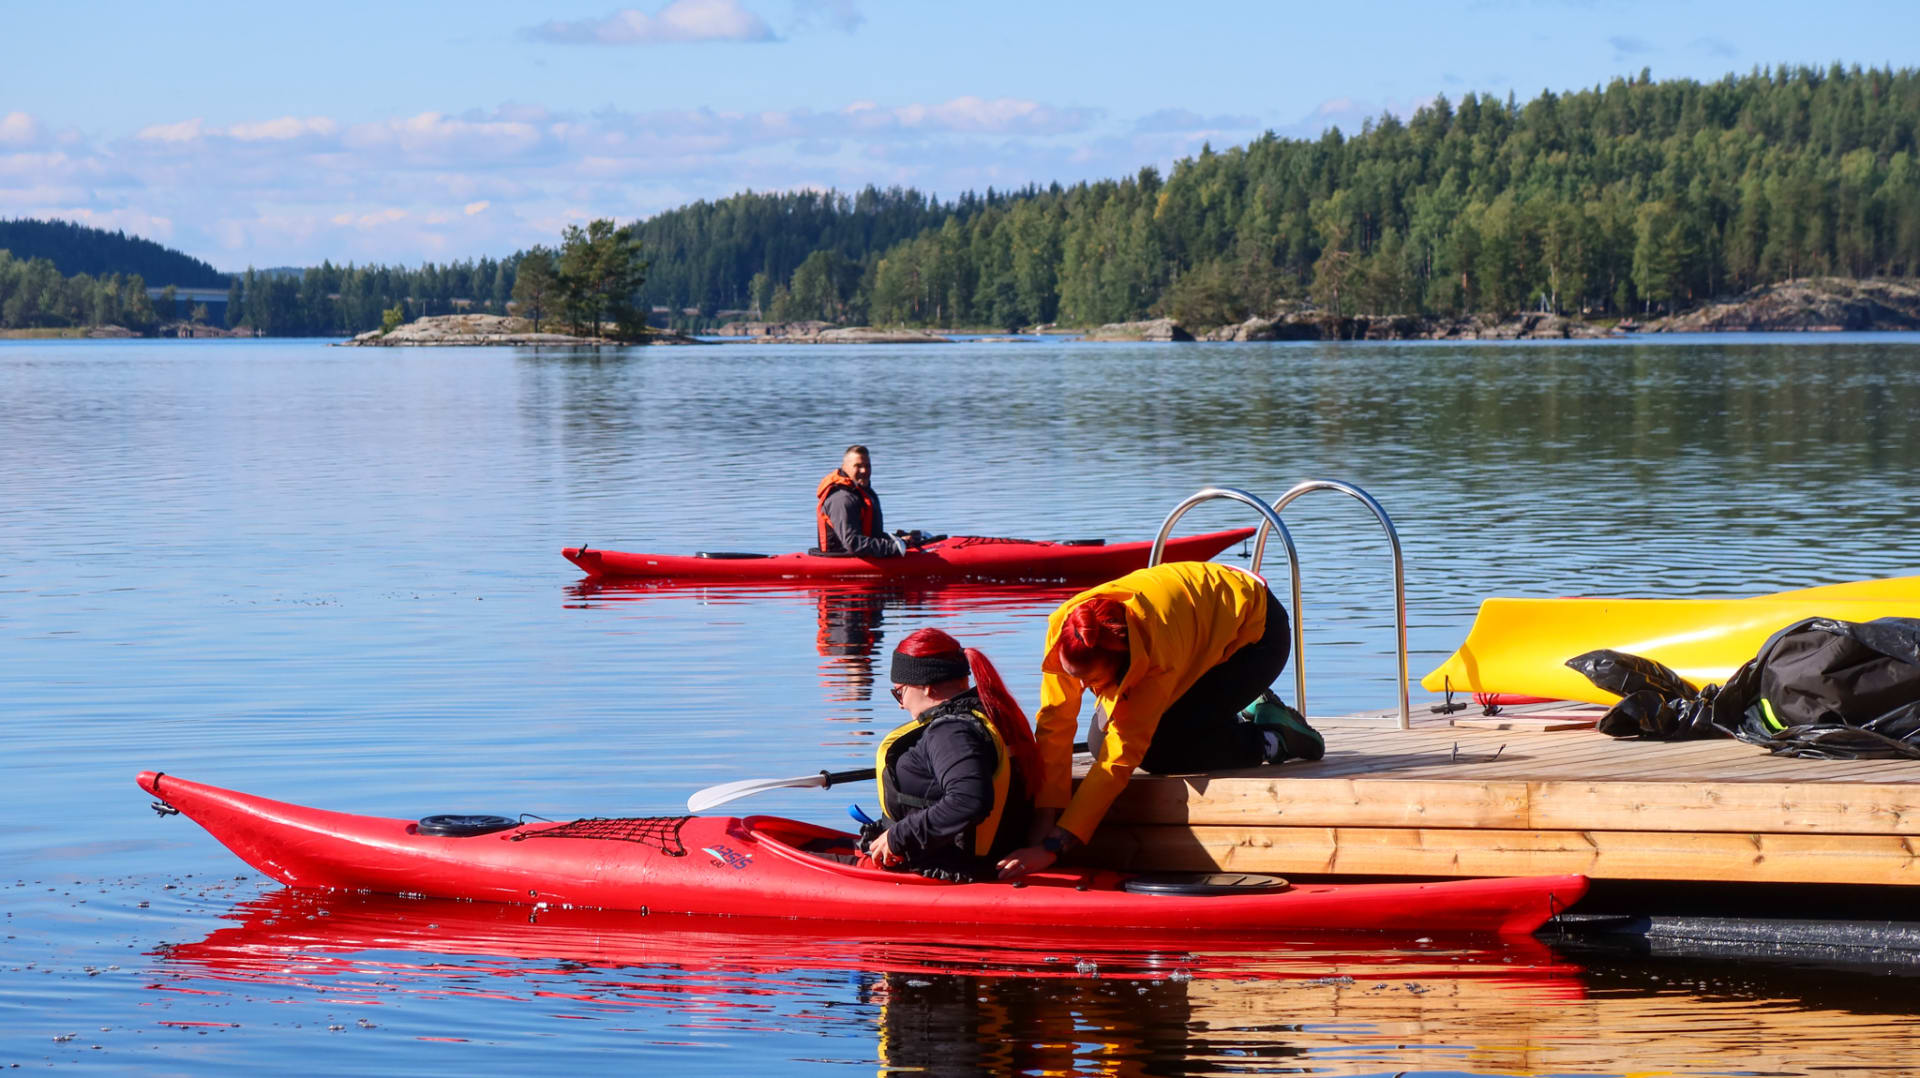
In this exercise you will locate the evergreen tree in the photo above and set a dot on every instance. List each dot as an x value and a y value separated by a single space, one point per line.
536 286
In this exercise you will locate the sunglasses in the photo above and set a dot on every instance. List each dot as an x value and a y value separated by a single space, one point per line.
896 695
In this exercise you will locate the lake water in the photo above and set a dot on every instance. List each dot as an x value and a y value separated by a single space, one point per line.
332 576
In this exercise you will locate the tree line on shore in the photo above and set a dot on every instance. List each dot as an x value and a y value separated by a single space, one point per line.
1633 197
35 295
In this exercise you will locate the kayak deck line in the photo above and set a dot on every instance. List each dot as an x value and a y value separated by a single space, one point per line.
1537 791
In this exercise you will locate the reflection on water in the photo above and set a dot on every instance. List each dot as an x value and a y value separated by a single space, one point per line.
850 616
947 1003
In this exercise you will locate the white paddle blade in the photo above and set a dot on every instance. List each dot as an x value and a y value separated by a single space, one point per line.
702 800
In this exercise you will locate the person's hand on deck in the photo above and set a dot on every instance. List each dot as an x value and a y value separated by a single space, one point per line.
1022 861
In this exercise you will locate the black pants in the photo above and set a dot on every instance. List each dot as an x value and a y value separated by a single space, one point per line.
1202 731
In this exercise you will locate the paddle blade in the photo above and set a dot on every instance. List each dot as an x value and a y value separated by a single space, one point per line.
702 800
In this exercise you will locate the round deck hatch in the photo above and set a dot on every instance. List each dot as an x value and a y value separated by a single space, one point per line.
457 826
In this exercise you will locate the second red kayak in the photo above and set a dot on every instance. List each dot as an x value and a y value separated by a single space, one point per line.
760 866
975 556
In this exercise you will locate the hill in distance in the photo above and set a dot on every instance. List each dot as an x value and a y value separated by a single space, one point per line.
75 249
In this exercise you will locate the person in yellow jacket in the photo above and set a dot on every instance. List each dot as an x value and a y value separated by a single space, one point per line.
1173 654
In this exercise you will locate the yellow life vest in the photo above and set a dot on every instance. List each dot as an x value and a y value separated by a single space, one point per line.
895 804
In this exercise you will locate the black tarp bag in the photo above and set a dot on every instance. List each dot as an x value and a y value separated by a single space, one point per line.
1830 689
1655 702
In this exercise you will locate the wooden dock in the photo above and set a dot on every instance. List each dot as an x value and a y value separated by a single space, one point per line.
1523 793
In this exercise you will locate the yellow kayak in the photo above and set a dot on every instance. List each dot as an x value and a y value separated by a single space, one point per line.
1521 645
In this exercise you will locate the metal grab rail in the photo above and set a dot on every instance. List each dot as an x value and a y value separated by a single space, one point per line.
1271 521
1399 571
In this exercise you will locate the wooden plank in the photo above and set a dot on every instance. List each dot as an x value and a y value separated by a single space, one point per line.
1766 807
1277 800
1350 851
1271 796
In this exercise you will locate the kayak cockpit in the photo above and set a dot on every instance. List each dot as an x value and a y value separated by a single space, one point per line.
813 847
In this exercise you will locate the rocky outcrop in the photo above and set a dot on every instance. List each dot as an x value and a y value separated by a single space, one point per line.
869 335
1533 326
1814 304
199 330
1266 329
1158 329
823 333
772 329
471 330
1307 325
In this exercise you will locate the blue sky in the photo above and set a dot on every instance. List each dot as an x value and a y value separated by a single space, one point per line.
273 134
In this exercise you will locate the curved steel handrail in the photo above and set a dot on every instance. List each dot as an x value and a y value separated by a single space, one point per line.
1271 521
1399 570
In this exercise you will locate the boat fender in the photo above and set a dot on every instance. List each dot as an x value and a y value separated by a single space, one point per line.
1204 883
458 826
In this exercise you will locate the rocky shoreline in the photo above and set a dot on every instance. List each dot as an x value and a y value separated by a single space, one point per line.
1808 305
1820 304
1814 304
482 330
825 333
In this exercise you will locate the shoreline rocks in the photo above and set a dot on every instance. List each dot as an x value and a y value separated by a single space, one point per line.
761 330
481 330
1805 305
1156 329
825 333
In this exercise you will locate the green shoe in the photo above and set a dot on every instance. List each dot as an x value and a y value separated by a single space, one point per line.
1298 741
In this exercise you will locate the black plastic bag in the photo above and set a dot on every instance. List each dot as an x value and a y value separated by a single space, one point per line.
1655 702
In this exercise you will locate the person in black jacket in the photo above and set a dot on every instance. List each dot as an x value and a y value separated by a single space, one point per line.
847 512
953 786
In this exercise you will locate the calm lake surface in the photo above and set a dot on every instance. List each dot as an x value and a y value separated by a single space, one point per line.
332 576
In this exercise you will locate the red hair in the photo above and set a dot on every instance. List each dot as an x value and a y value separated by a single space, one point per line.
1096 630
1003 711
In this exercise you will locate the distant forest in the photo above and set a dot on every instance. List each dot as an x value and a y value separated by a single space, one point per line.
1617 200
1622 199
75 249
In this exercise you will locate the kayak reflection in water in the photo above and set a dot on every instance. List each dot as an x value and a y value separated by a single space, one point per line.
954 785
848 512
953 1025
1173 654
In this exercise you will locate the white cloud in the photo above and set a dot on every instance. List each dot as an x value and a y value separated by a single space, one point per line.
184 131
20 129
678 22
435 138
291 189
283 129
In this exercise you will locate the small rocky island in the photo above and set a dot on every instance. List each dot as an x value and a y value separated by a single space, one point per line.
478 330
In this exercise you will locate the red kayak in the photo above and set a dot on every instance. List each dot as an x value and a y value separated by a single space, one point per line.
957 556
762 865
